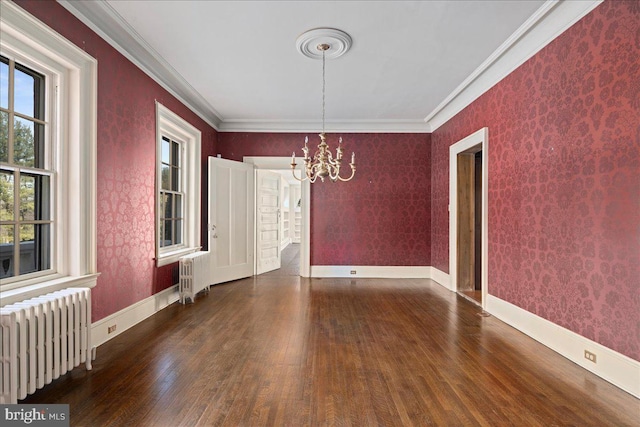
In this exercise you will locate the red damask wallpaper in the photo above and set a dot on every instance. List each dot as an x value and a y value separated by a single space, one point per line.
126 167
381 217
564 179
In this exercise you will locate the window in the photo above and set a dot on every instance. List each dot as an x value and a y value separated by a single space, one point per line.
48 113
171 194
178 182
25 175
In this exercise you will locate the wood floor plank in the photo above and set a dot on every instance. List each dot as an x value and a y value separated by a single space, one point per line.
287 351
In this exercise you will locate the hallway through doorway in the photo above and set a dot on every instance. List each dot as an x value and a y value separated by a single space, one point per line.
290 264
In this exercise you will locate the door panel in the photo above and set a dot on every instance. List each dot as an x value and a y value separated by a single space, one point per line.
231 215
268 224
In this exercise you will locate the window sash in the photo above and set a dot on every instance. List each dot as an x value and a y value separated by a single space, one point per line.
26 241
171 217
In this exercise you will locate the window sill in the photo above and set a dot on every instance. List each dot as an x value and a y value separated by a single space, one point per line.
174 256
30 291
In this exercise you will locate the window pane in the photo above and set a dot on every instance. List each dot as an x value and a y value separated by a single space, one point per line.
28 92
175 177
161 234
168 231
175 154
4 82
162 202
175 166
6 196
28 143
165 150
165 177
168 200
178 231
6 251
34 197
34 248
4 137
178 208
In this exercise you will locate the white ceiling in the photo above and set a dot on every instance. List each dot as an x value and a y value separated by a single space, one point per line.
236 64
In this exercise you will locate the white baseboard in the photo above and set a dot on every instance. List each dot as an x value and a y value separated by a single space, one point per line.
612 366
382 272
441 277
618 369
132 315
371 271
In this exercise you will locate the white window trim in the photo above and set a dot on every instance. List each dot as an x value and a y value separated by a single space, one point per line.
75 247
170 124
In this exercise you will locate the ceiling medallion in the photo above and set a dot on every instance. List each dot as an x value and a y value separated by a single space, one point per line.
339 43
322 43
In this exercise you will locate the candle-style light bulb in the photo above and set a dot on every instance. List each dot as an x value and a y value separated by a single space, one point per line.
293 157
353 157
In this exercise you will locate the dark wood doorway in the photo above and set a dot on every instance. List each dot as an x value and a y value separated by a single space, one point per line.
469 222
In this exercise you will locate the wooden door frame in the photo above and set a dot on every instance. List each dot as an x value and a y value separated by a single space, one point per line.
477 141
305 208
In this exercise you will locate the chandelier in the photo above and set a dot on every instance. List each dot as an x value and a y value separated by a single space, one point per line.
323 164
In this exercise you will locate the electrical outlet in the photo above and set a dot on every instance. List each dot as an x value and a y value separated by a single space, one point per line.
111 329
353 272
590 356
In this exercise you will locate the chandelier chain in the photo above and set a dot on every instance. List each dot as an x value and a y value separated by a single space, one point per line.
323 85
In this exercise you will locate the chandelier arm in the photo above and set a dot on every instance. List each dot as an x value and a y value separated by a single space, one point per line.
353 172
293 172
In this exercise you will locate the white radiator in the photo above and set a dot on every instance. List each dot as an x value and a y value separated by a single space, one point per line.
43 338
195 274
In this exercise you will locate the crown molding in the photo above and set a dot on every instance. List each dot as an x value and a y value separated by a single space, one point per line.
552 19
108 24
303 126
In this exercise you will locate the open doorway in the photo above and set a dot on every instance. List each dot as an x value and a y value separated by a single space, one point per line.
294 243
468 217
287 221
469 281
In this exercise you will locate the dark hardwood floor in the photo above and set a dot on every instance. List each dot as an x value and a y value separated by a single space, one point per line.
288 351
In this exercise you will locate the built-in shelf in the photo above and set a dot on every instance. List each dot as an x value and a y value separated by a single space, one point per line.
297 214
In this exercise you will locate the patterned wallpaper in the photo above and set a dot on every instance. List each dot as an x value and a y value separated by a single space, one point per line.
126 167
564 174
381 217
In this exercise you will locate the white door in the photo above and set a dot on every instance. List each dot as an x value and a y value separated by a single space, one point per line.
231 217
268 221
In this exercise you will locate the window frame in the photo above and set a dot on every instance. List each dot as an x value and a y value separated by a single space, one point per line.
73 133
177 129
